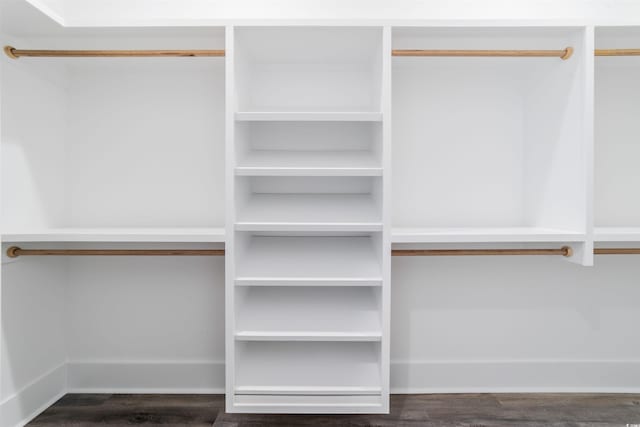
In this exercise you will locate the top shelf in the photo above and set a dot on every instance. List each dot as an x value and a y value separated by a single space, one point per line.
484 235
617 234
399 235
119 235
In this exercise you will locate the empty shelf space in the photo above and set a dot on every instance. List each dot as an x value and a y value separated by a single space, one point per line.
309 365
484 235
309 163
320 314
333 116
617 234
265 212
132 235
308 257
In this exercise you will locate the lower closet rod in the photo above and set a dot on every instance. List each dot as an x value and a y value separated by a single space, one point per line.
567 251
14 252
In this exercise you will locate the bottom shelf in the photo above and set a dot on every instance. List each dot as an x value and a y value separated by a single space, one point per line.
328 404
311 366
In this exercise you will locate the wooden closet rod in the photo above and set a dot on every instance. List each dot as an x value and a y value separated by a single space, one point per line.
616 251
566 53
564 251
14 252
617 52
562 54
14 53
567 251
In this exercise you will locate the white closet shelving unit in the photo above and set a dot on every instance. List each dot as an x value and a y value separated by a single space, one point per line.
617 145
281 154
308 243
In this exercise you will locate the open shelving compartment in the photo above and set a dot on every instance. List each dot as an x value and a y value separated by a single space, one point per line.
315 73
617 138
308 258
309 203
288 376
320 148
490 149
90 145
110 153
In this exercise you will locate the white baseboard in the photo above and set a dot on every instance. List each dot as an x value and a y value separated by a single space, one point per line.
515 376
205 377
499 376
21 407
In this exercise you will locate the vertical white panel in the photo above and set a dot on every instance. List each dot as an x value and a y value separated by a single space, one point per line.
386 212
230 108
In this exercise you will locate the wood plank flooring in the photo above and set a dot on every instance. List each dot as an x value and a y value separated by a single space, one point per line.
464 410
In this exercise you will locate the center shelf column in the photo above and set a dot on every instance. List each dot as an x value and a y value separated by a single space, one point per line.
308 224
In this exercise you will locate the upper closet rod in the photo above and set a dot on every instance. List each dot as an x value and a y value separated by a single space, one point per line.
14 53
562 54
617 52
566 53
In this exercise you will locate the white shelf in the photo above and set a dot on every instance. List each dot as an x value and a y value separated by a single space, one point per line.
309 163
484 235
301 390
309 212
307 336
617 234
335 314
317 404
302 258
124 235
310 116
308 281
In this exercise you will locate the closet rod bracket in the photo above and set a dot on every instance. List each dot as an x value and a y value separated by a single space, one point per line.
10 51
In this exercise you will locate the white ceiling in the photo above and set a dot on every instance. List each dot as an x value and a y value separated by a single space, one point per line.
96 13
18 17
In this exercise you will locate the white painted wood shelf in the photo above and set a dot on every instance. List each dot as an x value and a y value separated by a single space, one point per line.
307 336
309 116
310 212
484 235
117 235
617 234
309 163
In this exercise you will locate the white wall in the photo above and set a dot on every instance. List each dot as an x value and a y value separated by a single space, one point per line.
146 324
34 126
509 324
150 137
33 349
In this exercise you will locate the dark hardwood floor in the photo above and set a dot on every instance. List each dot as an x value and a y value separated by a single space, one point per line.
468 410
